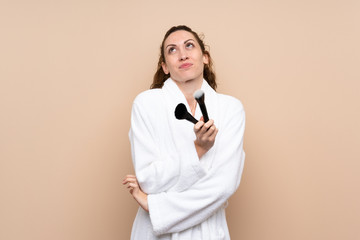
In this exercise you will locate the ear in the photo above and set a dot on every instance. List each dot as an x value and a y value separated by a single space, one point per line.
205 58
164 67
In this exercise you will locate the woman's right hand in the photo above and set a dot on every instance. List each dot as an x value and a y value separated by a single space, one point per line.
205 136
136 191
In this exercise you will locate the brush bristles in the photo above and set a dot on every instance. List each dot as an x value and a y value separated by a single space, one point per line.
180 111
198 94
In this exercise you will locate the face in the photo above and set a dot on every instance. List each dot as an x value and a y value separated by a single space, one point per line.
184 59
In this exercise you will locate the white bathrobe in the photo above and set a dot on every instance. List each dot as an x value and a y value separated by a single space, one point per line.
187 196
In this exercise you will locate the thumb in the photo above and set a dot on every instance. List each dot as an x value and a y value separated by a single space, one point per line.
202 118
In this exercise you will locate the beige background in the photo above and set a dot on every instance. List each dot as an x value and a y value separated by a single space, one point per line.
70 70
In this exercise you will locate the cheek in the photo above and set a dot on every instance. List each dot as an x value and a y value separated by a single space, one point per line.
170 62
200 57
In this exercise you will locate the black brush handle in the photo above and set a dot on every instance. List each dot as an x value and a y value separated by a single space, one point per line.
204 112
190 118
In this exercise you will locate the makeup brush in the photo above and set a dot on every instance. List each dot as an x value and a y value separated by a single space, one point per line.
182 113
199 95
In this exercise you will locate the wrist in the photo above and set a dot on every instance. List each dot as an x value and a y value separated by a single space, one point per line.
141 198
200 150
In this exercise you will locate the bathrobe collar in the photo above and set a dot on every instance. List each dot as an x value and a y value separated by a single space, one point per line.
177 97
182 130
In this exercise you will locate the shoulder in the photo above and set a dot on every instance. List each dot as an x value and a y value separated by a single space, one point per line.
148 106
148 97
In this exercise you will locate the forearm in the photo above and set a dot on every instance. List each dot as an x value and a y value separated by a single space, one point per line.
136 192
195 205
200 150
142 200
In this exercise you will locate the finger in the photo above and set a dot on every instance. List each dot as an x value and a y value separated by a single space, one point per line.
127 178
126 181
198 126
130 176
210 131
209 123
213 135
206 127
132 185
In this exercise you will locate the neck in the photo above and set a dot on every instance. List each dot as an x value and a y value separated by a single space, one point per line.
188 88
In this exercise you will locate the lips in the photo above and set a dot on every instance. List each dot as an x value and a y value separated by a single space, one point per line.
185 65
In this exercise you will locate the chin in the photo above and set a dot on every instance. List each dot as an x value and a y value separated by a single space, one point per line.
189 78
185 80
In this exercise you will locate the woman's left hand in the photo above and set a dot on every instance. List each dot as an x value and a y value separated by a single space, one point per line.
136 191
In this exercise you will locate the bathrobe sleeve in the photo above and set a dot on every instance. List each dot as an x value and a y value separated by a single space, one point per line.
156 169
176 211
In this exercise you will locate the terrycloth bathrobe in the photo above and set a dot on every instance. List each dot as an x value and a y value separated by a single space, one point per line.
187 196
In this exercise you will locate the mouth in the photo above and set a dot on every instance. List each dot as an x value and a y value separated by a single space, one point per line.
185 65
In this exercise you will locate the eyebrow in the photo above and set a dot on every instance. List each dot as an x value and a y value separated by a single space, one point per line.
172 45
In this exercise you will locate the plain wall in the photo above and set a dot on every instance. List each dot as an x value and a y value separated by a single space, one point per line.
69 71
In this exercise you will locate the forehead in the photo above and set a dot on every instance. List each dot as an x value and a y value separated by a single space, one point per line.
179 37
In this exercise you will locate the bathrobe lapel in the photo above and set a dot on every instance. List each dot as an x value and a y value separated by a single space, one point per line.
182 130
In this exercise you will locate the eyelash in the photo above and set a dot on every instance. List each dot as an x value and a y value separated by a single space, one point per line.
190 44
171 49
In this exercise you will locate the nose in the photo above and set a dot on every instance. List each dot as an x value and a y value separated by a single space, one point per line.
183 55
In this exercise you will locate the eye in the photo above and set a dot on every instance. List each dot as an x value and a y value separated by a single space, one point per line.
171 50
190 45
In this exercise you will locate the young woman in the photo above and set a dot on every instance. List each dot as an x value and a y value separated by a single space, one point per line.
185 173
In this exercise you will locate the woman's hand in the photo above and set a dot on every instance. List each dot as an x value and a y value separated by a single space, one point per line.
136 191
205 136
